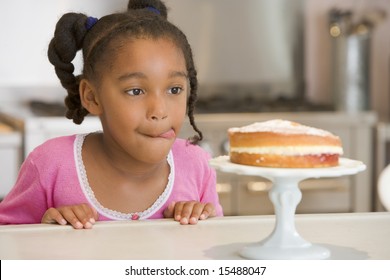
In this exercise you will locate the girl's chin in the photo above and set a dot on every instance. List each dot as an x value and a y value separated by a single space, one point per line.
156 155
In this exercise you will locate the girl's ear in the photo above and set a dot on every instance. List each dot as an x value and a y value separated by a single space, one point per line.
89 98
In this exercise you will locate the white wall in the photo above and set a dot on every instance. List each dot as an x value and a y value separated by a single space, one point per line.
26 28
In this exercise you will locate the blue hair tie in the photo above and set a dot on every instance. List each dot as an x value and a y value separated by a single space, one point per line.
91 21
153 9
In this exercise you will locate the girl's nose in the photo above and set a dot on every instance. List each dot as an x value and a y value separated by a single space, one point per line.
157 108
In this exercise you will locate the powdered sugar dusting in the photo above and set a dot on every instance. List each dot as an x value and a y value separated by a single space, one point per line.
281 126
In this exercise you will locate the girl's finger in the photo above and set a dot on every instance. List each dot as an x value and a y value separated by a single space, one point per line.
208 211
52 215
90 214
177 215
197 210
84 215
186 212
168 212
69 214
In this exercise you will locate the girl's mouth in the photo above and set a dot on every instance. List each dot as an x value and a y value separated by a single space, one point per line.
168 135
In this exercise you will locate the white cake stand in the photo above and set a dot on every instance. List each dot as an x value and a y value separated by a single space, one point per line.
285 242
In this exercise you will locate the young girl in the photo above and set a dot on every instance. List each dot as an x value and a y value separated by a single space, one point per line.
139 79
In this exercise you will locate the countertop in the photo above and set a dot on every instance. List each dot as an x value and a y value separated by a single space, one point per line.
348 236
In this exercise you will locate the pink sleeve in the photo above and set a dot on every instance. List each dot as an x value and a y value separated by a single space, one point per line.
209 193
26 202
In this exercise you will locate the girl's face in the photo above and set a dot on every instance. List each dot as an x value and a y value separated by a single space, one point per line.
142 98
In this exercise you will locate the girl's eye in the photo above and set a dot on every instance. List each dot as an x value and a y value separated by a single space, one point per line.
175 90
135 91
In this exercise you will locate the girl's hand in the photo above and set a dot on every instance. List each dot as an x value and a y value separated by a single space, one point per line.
79 216
189 212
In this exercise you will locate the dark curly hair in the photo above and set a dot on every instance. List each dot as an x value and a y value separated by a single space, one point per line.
99 42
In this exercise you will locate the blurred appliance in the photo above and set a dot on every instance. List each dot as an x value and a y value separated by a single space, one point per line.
382 158
384 188
253 47
39 121
351 40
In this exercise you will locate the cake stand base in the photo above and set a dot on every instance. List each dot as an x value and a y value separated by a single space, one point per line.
259 251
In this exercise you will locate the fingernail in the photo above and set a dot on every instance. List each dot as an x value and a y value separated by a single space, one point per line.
178 217
78 225
193 220
92 220
202 217
184 221
87 225
63 222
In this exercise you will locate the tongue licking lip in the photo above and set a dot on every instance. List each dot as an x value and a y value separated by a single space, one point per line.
168 135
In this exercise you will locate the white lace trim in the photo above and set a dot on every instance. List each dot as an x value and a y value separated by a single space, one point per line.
116 215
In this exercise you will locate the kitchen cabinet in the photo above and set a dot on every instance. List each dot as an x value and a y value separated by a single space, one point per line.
10 157
246 195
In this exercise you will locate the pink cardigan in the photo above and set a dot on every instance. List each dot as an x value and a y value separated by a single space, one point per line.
53 175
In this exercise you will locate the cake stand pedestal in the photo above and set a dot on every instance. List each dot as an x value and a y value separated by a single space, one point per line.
285 242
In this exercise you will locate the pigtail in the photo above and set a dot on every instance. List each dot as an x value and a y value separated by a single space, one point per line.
152 5
191 106
67 41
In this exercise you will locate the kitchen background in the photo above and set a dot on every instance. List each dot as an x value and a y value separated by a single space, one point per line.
257 59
